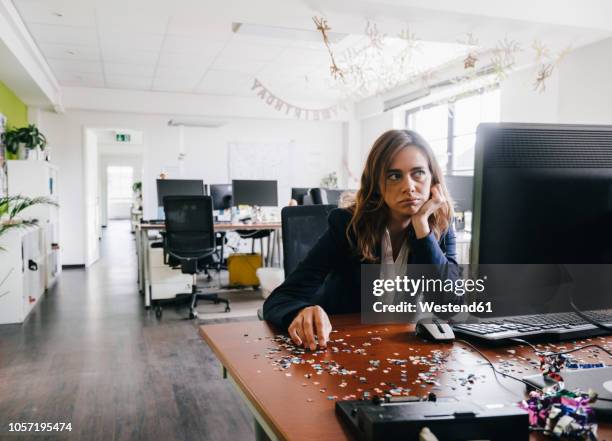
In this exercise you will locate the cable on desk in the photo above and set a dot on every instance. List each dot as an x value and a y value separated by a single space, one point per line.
538 351
495 371
583 316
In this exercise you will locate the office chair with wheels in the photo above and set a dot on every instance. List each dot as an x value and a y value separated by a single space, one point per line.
190 243
302 226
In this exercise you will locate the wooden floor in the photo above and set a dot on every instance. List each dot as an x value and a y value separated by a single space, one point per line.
89 354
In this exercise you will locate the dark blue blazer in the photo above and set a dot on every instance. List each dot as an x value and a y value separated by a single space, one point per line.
330 274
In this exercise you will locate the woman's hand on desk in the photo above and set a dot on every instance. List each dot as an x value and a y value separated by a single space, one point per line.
310 322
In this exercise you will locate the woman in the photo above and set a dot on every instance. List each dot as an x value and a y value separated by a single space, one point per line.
402 214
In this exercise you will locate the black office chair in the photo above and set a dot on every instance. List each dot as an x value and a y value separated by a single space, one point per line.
190 243
318 196
298 193
302 226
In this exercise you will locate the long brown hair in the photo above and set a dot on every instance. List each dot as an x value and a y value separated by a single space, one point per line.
370 213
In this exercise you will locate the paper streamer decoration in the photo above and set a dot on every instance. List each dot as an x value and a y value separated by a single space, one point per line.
290 110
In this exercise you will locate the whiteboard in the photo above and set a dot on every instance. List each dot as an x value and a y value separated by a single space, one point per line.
263 161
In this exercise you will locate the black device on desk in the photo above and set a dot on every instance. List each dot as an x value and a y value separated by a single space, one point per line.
177 187
255 192
448 419
542 196
221 196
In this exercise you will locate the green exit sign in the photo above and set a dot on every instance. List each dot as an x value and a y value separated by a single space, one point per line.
123 137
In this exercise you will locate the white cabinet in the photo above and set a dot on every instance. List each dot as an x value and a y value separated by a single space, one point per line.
35 179
22 273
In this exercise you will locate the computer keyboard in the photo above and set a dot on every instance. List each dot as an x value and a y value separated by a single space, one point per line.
553 326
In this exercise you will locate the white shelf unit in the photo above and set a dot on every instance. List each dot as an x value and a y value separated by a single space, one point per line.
35 179
22 273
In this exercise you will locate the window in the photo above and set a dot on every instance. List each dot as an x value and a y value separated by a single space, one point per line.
450 128
120 180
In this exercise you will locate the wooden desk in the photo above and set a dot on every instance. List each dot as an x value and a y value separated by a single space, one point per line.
142 247
293 408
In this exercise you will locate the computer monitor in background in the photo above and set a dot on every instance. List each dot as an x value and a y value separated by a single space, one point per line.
221 196
543 194
461 189
254 192
298 194
178 187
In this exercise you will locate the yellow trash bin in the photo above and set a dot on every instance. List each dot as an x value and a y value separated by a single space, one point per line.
242 269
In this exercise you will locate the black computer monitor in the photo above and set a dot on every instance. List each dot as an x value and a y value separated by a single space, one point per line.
221 196
254 192
178 187
461 189
543 194
298 194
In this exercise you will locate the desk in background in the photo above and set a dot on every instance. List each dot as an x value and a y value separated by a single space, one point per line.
294 408
143 242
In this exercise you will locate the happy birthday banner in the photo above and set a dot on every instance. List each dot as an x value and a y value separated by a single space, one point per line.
291 110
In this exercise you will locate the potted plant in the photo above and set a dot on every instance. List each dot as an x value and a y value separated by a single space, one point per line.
11 206
24 142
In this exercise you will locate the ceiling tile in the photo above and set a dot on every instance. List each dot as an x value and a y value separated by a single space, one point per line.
112 40
128 82
252 52
123 55
141 70
225 83
195 25
175 84
57 12
75 66
56 34
70 52
134 16
184 74
238 65
81 79
184 61
190 45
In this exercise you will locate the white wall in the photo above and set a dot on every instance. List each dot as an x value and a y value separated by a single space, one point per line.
206 156
372 128
521 103
579 92
585 85
91 198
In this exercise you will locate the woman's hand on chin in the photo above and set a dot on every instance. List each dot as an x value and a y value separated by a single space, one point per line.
310 322
420 219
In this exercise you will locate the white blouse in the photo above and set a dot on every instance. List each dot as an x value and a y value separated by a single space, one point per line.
387 251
